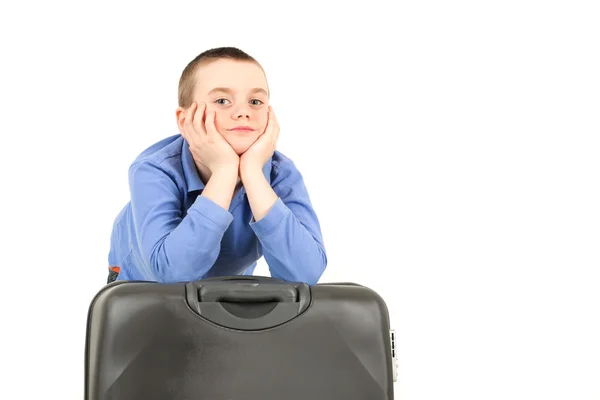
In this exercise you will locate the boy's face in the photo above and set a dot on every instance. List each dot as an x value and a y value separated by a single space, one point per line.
238 93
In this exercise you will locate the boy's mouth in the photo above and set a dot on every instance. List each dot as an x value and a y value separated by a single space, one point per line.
242 129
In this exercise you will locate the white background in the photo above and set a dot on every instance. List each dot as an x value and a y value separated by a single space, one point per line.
451 150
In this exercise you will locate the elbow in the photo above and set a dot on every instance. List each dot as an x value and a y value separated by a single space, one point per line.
169 272
164 276
320 270
178 269
316 269
177 273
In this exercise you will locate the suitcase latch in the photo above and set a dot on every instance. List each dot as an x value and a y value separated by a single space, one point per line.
394 358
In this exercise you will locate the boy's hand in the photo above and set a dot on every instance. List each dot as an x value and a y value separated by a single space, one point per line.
207 145
262 150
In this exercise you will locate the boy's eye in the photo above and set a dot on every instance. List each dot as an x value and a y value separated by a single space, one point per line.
254 102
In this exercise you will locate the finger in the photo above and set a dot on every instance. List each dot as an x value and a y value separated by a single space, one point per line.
188 127
210 123
275 125
275 121
192 111
277 130
199 119
269 126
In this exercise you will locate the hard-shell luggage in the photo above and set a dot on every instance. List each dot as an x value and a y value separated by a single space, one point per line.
238 338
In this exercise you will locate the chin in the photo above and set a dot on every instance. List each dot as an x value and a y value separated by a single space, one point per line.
240 145
240 150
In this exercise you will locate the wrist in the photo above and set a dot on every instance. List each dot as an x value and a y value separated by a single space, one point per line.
221 186
250 166
225 170
249 171
225 174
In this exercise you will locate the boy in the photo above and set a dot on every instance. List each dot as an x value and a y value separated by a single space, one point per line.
214 199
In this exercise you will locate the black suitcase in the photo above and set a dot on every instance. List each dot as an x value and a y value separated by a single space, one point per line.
238 338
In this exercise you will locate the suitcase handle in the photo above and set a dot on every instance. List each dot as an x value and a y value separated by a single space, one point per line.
248 293
254 278
248 303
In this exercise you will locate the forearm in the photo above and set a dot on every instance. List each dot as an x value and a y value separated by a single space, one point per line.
291 240
174 246
292 251
220 186
189 250
261 196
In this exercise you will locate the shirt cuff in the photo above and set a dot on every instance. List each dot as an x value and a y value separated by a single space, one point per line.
212 211
270 221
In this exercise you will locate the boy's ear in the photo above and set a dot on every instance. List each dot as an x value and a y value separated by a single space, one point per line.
180 117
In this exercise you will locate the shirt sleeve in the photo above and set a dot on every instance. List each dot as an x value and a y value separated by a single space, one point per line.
290 233
174 247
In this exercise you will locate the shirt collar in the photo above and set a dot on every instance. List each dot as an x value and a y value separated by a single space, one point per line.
190 171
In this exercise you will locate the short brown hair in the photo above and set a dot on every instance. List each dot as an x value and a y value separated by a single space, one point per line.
188 81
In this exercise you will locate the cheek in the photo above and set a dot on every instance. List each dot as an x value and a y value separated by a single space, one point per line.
218 121
264 121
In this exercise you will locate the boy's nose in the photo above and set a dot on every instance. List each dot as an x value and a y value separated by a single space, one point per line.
242 114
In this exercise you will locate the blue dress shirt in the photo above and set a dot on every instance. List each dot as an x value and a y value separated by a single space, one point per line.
168 232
